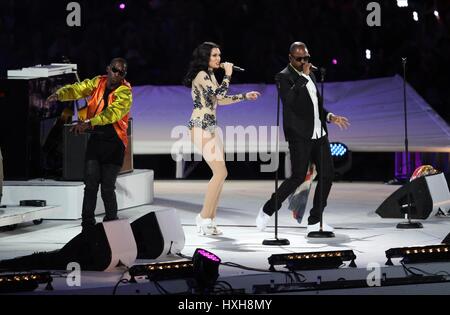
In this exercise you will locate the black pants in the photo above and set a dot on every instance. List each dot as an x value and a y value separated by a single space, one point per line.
95 174
304 151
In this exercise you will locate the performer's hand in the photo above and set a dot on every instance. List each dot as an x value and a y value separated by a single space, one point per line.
51 98
307 68
228 67
341 121
81 127
252 96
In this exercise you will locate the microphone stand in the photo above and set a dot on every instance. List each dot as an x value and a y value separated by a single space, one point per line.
409 224
321 233
277 241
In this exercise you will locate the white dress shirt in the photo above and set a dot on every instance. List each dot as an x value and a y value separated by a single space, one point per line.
318 130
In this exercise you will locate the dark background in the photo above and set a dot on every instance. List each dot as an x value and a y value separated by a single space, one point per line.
157 37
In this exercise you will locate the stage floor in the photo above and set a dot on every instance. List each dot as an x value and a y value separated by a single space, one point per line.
350 210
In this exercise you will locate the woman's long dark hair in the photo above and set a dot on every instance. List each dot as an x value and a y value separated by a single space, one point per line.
199 61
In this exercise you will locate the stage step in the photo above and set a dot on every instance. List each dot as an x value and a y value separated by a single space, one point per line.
11 216
132 190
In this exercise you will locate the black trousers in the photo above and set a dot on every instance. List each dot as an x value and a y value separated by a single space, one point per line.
99 174
304 151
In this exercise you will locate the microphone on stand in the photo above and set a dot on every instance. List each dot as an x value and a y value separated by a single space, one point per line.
314 68
235 68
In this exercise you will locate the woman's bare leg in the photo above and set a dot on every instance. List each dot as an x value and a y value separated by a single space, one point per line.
212 151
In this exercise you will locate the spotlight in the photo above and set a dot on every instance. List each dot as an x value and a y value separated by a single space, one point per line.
416 16
368 54
163 271
24 282
436 14
342 158
206 267
313 260
122 6
338 149
402 3
419 254
334 61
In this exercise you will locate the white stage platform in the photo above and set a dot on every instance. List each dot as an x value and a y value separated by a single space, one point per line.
132 190
10 216
350 210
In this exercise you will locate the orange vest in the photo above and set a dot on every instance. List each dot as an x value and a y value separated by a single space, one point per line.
96 105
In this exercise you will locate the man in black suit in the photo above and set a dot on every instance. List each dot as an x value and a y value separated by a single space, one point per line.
304 123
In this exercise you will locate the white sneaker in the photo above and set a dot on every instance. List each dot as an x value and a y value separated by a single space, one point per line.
316 228
262 220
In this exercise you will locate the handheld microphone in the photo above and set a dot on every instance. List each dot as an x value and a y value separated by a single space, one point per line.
235 68
314 68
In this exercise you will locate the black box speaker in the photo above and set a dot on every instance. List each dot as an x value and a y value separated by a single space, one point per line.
91 249
148 236
446 239
74 147
395 206
158 233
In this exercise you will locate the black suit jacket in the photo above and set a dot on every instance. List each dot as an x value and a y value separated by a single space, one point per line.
298 108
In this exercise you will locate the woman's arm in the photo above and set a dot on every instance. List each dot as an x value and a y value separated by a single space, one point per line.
210 90
232 99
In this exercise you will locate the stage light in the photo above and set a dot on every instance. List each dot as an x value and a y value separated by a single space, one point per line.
436 14
163 271
206 267
24 282
419 254
338 149
368 54
122 6
402 3
334 61
416 16
313 260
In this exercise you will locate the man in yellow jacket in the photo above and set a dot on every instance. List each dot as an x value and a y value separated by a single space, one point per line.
107 119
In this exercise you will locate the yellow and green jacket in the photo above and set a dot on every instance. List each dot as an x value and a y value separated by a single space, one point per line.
119 103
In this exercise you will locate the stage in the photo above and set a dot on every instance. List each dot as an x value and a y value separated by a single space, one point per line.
350 210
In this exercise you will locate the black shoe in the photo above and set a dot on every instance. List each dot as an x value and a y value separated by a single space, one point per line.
107 219
87 229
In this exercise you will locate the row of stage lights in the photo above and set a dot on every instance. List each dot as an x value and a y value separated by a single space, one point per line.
24 282
415 16
405 4
204 266
368 52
